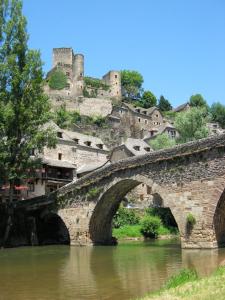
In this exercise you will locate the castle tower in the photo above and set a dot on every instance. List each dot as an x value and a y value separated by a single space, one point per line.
78 74
78 66
113 79
62 56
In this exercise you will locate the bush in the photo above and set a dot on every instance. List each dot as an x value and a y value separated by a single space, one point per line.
150 226
164 214
125 216
190 220
57 80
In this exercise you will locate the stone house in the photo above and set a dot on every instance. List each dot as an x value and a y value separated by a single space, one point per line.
59 165
166 127
214 128
182 107
133 147
137 120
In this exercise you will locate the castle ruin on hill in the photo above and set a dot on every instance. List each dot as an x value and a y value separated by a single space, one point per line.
78 85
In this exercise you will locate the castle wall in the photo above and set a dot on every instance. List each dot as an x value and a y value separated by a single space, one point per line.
62 55
85 106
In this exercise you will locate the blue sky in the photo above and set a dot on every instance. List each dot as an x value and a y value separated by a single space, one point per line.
177 45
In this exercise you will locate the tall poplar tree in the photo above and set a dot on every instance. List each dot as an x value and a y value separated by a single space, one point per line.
24 108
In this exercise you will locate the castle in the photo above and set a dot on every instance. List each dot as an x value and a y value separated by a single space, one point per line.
78 85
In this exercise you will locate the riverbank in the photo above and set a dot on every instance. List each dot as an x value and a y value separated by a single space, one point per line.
131 232
187 286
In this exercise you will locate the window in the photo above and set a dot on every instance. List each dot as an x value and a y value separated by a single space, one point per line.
32 152
146 121
147 149
100 146
115 76
67 86
157 115
31 187
137 148
67 73
144 112
138 110
88 143
59 156
76 141
59 134
81 74
139 120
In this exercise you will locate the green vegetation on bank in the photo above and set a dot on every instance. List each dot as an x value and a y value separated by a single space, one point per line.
128 224
188 286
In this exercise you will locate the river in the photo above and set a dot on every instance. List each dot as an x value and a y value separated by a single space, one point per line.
126 271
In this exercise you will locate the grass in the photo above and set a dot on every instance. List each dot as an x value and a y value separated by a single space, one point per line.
187 286
127 231
134 231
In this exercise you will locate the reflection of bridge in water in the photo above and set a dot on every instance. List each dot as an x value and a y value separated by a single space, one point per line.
188 179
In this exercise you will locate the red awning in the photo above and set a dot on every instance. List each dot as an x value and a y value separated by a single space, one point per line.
21 187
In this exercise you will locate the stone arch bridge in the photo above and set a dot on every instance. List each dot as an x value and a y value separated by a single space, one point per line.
189 178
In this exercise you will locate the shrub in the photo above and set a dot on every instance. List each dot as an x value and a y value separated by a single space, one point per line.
125 216
57 80
164 214
190 220
150 226
127 231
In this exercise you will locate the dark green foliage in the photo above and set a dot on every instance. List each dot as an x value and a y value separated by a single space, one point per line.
57 80
197 101
24 108
95 83
184 276
131 82
64 118
218 113
148 99
164 104
150 226
164 214
125 216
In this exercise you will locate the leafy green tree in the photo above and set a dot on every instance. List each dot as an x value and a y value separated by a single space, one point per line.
164 104
217 111
57 80
197 101
162 141
148 99
191 125
24 108
131 82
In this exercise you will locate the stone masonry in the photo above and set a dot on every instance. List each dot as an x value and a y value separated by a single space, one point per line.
189 178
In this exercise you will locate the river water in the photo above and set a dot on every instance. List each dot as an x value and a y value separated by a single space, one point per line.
126 271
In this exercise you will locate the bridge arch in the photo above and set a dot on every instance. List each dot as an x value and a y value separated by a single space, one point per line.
219 220
100 225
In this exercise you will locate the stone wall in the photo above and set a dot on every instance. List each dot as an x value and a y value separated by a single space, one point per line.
189 178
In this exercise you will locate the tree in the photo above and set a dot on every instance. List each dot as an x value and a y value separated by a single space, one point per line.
164 104
148 99
197 101
57 80
191 125
131 82
24 108
162 141
218 113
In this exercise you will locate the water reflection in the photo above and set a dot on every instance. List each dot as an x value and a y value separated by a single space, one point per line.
123 272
